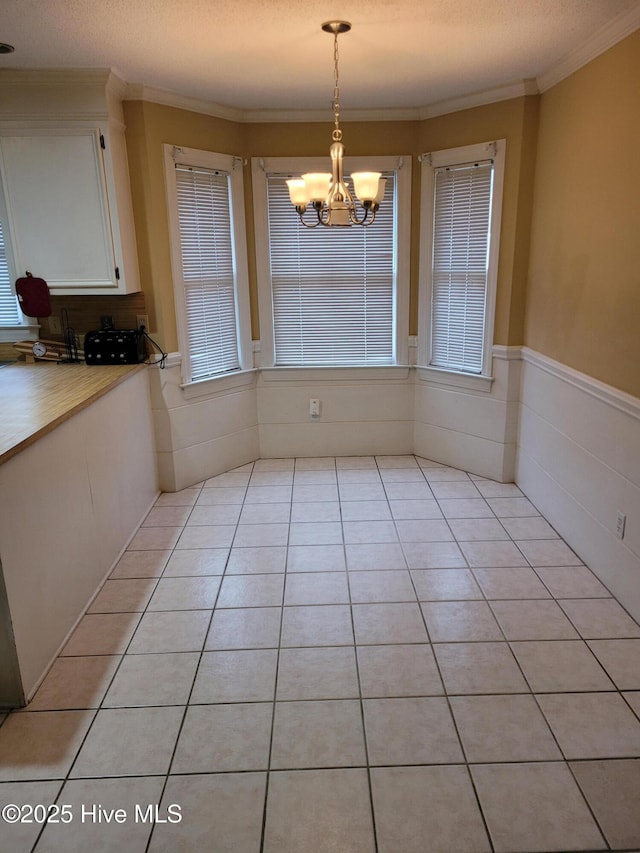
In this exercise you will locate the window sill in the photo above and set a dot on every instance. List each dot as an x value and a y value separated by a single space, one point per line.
334 374
451 379
216 384
26 332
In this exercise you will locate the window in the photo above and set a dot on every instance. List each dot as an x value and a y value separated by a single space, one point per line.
461 205
331 296
10 314
208 249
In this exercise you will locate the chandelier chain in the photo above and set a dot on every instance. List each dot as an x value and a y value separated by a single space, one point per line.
337 133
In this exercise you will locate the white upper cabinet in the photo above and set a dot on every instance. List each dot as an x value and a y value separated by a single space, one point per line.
66 187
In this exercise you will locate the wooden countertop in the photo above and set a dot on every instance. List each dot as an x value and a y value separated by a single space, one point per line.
36 398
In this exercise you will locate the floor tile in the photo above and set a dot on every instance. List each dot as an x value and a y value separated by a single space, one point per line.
170 631
366 511
391 461
460 621
141 564
257 560
446 585
445 474
360 532
412 804
271 478
154 538
465 508
601 618
185 497
455 490
621 659
236 676
157 679
235 479
532 527
533 620
433 555
381 586
320 476
129 742
572 582
244 628
415 509
316 558
477 529
315 511
424 530
492 554
316 588
408 491
317 625
75 682
192 593
511 583
251 591
102 634
41 745
633 698
612 789
221 812
315 492
167 516
201 516
320 810
560 665
253 535
196 563
503 728
401 475
410 731
315 463
123 596
223 495
105 795
535 807
317 734
207 536
377 624
274 465
355 463
223 738
592 725
468 668
317 673
492 489
397 670
362 491
548 552
21 836
517 507
315 533
267 494
381 556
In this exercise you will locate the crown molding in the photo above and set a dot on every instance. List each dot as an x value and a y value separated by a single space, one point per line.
480 99
604 38
140 92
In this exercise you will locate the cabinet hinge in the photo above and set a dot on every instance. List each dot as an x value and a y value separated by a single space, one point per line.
102 145
117 273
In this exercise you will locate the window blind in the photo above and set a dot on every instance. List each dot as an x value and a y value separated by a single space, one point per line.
462 208
9 311
204 220
333 289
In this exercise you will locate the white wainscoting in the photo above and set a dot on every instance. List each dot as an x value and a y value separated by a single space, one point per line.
363 411
470 423
204 429
579 462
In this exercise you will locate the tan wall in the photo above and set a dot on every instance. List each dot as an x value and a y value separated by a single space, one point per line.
150 125
583 303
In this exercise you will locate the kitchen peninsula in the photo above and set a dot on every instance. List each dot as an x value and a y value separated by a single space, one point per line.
77 476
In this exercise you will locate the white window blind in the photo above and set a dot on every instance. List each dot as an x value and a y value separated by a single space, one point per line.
204 221
461 220
9 312
333 289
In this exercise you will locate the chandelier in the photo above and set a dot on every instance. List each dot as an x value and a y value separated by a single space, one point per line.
327 193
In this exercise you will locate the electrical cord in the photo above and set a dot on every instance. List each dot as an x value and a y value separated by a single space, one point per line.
163 355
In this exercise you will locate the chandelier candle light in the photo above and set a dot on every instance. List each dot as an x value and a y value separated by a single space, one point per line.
328 193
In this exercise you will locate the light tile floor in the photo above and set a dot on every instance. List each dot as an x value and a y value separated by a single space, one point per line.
351 654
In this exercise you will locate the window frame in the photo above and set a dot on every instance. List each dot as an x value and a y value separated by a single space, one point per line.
27 327
292 166
430 162
232 165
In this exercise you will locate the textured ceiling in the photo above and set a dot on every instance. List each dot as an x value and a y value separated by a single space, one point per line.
272 54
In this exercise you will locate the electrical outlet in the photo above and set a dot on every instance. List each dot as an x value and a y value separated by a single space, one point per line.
142 320
55 328
621 521
314 408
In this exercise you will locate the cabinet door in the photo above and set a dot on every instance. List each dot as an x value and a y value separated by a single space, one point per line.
56 197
